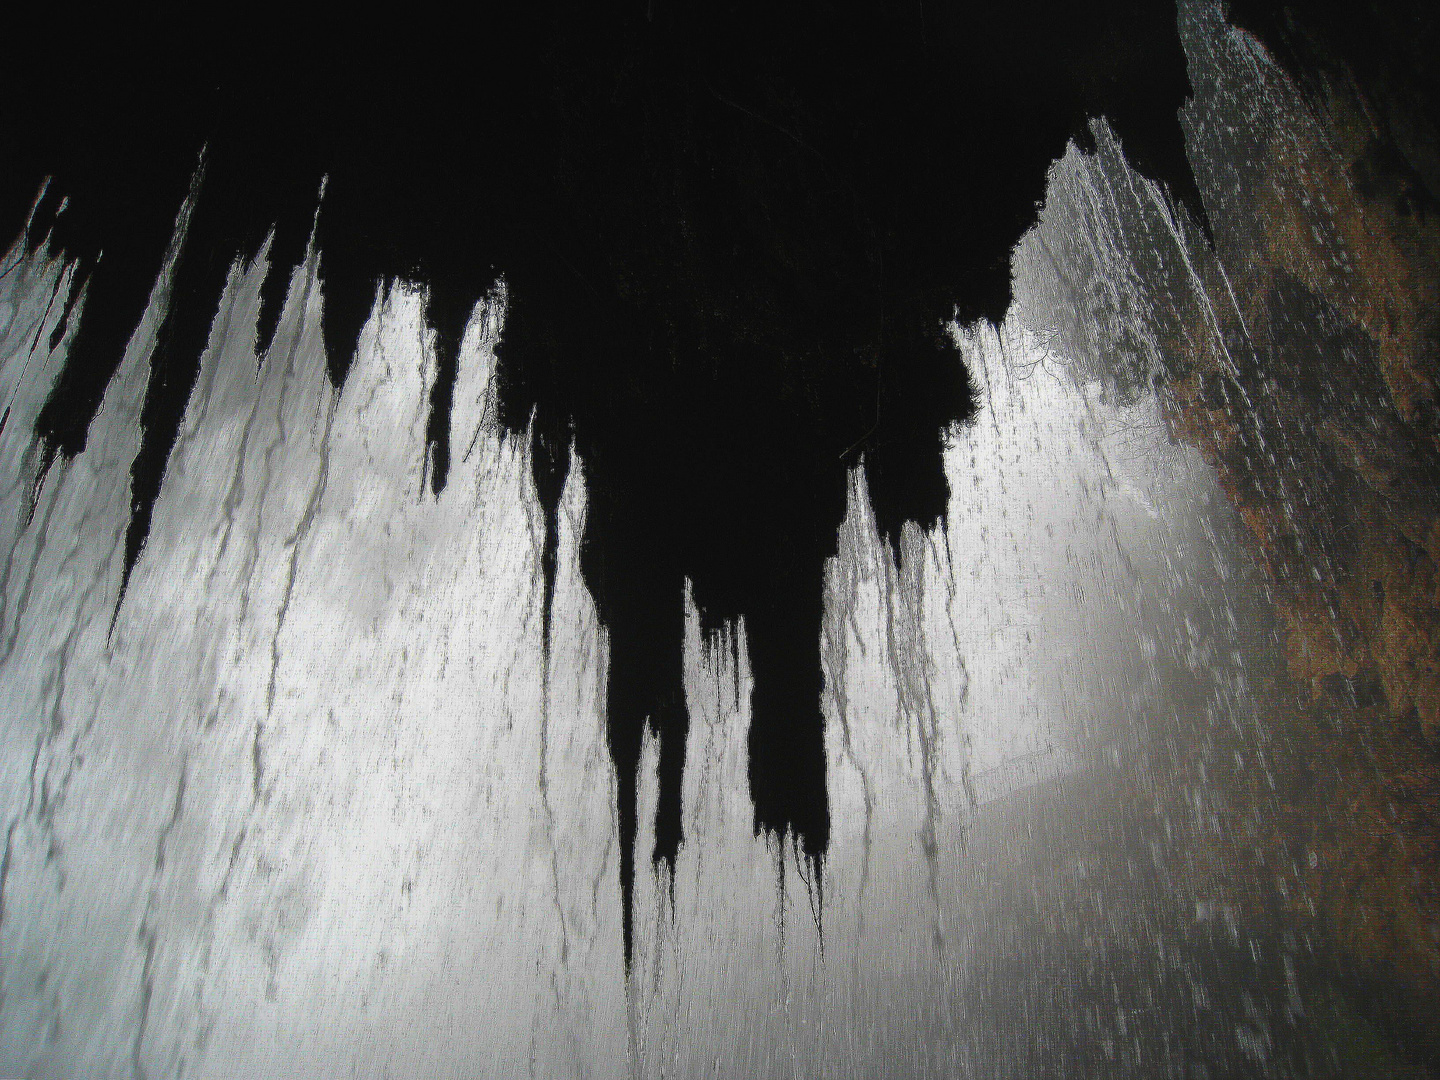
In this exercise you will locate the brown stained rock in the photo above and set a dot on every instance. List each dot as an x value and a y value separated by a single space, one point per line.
1337 822
1325 438
1335 218
1388 284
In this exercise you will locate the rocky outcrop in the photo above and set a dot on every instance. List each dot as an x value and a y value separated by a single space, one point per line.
1322 416
1319 412
1296 343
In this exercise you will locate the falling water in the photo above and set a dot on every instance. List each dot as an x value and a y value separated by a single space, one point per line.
331 788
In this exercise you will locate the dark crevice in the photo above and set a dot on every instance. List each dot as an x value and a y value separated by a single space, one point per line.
286 252
198 279
549 468
448 313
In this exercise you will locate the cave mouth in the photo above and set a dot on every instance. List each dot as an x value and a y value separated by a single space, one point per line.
733 239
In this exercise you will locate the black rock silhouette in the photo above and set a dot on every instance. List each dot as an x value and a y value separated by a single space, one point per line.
733 238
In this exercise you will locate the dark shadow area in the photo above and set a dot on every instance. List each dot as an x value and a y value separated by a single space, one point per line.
732 237
1385 51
